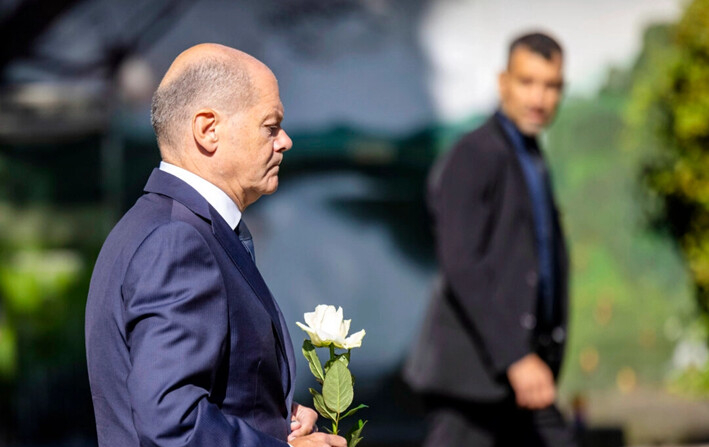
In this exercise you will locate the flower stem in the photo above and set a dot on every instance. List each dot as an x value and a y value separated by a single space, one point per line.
336 422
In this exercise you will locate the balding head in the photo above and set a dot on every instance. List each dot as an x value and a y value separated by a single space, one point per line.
204 76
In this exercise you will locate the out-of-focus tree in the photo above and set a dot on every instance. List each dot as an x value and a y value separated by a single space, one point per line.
668 121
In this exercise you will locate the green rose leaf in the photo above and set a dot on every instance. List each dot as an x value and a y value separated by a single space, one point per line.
353 410
320 406
313 361
354 435
337 387
344 358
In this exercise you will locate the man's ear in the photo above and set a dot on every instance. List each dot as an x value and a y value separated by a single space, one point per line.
204 129
502 83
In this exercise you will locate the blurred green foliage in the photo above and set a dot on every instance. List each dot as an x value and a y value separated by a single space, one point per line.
47 248
46 255
630 295
668 122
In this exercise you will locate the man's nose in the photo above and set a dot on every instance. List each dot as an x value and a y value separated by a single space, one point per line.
283 142
537 95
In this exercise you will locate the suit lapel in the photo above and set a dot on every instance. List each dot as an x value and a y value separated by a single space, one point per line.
161 182
242 259
507 145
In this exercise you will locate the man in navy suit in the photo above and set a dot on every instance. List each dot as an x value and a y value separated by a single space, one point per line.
185 344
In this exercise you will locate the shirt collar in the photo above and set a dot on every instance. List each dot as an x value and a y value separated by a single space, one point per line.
519 140
510 129
219 200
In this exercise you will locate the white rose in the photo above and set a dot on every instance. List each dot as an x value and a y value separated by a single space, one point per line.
326 326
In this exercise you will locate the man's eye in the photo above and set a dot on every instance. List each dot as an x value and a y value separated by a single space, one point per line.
557 86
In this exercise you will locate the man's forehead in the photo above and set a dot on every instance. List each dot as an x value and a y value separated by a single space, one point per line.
268 109
275 111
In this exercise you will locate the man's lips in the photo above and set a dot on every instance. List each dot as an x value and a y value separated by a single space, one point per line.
536 117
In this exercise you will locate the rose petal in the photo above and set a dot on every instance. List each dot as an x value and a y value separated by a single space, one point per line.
314 337
309 318
354 340
345 328
332 321
320 312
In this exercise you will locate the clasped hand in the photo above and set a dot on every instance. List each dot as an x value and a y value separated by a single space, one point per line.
532 382
304 431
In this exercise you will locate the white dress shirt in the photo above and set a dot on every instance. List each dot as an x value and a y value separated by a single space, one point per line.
219 200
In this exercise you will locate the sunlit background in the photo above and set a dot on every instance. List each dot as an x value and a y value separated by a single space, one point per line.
374 91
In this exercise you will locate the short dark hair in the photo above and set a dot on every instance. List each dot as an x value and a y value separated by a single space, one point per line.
536 42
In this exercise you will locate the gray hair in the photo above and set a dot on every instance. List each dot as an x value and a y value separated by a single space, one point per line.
212 82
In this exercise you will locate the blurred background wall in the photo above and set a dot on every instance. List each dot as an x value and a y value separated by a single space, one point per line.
374 91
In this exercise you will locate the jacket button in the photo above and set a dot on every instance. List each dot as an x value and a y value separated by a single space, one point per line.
531 278
558 334
528 321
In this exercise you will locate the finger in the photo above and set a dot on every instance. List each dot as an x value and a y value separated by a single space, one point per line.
548 396
543 395
336 441
310 417
298 433
535 402
533 397
522 398
518 391
544 391
532 401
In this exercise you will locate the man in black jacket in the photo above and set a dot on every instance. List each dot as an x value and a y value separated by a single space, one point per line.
492 342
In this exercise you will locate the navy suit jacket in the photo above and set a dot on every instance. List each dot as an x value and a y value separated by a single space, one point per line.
184 342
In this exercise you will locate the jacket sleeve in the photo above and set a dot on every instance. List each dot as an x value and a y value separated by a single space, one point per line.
466 197
177 332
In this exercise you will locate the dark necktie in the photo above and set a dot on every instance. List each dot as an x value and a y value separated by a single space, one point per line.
245 237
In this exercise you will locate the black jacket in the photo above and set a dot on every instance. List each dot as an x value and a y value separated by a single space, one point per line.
482 316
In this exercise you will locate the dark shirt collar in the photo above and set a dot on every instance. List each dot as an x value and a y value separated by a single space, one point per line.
514 134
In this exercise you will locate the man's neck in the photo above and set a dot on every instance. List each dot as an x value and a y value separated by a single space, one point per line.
215 196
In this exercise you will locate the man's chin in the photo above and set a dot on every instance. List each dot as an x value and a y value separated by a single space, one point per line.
271 187
531 129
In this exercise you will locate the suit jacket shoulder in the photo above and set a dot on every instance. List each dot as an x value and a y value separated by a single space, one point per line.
477 162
